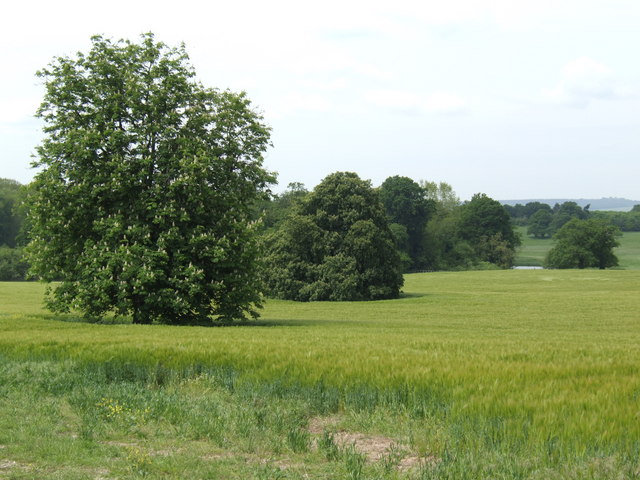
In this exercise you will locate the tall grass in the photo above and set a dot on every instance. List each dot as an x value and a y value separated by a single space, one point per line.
522 371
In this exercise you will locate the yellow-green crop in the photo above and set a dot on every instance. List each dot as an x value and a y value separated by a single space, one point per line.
542 361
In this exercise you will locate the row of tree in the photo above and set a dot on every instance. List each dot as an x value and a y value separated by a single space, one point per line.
151 187
429 226
11 216
311 258
13 265
543 220
584 239
625 221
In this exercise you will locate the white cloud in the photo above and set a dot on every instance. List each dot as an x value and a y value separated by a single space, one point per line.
316 58
445 102
584 80
394 99
17 109
332 85
409 102
507 14
296 102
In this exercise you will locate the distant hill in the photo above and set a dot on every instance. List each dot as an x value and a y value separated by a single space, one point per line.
611 203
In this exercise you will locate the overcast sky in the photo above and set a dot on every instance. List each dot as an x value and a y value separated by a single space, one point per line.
512 98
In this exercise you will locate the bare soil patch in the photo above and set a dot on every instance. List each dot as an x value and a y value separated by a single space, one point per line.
6 464
317 425
374 447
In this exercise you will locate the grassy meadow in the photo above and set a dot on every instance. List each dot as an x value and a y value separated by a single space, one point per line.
629 250
495 374
533 250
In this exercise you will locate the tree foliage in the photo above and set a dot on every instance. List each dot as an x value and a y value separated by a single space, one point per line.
441 193
522 214
148 181
536 215
13 265
475 235
484 217
625 221
540 223
276 209
485 224
444 248
11 217
563 213
584 244
406 205
401 241
336 246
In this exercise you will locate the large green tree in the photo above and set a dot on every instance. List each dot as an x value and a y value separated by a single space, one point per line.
584 244
486 225
336 246
147 186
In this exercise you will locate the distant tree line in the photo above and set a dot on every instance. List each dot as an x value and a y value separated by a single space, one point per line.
324 244
344 225
543 220
625 221
13 265
584 239
401 226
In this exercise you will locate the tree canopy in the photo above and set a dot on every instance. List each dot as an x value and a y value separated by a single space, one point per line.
584 244
540 223
406 206
143 205
485 224
274 210
563 213
335 246
10 218
522 214
484 217
441 193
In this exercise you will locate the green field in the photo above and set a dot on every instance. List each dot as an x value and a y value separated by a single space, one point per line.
534 250
500 374
629 250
